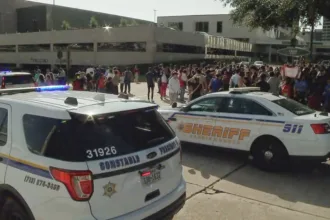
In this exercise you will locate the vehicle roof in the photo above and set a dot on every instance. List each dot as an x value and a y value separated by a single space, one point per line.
86 101
263 95
5 73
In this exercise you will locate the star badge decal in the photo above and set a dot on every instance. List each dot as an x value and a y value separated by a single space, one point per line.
180 126
109 189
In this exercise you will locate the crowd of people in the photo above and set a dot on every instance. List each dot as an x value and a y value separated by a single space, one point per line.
311 86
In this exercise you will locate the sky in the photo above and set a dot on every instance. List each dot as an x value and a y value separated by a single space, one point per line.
144 9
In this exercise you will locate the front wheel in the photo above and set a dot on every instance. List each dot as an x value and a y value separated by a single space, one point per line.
269 154
12 210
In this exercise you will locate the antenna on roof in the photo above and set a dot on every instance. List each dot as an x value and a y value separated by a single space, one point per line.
100 97
71 101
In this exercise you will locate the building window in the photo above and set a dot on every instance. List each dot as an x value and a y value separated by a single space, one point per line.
219 27
177 48
202 27
80 47
3 126
34 48
8 48
176 25
246 40
122 47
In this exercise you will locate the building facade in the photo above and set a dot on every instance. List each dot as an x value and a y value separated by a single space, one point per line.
24 16
222 25
144 44
326 30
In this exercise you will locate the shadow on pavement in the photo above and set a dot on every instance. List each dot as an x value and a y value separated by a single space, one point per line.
300 188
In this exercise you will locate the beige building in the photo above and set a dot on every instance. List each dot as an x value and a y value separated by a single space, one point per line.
143 44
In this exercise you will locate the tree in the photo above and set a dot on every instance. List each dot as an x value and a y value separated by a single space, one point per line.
126 23
93 23
65 25
123 22
133 22
270 14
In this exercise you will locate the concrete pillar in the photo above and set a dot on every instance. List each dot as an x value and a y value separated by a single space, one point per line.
270 54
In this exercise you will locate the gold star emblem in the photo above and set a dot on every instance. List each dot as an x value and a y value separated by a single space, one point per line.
180 126
109 189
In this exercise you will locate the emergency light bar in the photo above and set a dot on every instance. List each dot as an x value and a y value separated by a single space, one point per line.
34 89
244 90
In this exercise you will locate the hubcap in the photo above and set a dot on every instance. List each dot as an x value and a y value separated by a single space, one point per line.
268 155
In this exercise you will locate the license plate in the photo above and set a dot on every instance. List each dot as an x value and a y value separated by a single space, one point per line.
152 178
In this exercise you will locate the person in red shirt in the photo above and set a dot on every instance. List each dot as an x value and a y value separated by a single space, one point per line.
77 83
315 100
101 83
287 89
136 72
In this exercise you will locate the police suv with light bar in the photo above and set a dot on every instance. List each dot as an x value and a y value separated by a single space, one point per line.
84 155
274 130
9 79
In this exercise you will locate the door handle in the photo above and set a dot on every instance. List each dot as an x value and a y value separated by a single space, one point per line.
172 119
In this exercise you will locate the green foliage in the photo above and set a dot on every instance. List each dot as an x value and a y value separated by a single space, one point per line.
93 23
65 25
126 22
269 14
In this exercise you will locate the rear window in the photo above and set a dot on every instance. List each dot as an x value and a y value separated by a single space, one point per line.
294 107
18 79
85 138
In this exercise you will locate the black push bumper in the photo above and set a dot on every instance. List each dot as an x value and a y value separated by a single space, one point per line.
169 211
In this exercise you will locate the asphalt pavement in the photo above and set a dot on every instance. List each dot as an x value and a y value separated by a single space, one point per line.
224 186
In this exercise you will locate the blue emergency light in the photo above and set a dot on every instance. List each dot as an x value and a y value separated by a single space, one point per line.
52 88
6 71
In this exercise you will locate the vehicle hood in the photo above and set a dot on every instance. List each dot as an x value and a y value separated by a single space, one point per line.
167 112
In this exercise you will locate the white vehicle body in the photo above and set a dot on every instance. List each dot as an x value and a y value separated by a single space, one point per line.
10 80
114 178
214 120
258 63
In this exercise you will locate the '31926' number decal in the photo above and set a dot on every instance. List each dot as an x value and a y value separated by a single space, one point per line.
292 128
101 152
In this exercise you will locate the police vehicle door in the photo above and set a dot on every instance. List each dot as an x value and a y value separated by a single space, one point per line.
237 125
5 139
196 124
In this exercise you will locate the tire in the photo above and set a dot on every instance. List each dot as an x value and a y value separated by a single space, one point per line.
12 210
269 154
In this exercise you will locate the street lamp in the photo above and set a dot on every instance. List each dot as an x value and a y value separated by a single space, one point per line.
53 7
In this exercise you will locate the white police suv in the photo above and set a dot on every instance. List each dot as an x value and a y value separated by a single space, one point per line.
9 79
83 155
273 129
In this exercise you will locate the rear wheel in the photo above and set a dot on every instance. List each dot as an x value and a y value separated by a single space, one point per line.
12 210
269 154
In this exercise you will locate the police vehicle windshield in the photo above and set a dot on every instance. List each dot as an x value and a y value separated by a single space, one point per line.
86 138
294 107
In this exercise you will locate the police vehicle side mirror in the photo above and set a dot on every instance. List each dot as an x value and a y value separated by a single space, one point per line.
184 109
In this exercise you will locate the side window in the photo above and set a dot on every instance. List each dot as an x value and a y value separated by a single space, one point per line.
245 106
3 126
258 109
206 105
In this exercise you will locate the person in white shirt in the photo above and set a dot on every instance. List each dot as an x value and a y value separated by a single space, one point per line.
163 80
183 84
235 80
174 88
